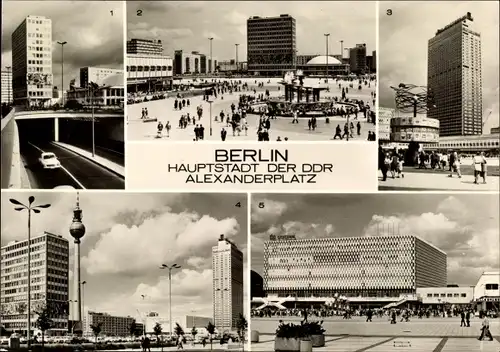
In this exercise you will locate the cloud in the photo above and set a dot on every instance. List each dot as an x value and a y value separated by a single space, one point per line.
93 31
165 237
265 213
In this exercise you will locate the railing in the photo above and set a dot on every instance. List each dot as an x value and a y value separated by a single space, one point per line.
9 135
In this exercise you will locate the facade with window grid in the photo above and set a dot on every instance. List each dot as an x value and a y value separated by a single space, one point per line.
227 268
271 45
148 70
49 282
144 47
32 62
454 75
111 325
352 266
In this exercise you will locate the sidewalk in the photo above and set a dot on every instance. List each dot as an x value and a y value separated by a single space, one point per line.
423 181
384 344
118 169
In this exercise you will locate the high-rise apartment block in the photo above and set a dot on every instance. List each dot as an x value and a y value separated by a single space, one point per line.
351 266
454 78
49 282
96 75
357 58
32 61
227 267
6 86
144 47
271 44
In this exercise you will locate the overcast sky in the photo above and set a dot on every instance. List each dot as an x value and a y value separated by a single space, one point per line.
93 30
463 226
403 45
130 235
186 25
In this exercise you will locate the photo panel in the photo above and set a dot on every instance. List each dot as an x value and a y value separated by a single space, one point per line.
63 95
126 269
251 71
438 108
374 272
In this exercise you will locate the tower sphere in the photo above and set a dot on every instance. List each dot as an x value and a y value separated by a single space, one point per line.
77 230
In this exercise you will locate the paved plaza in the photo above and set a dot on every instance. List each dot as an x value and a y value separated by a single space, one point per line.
281 127
433 334
415 179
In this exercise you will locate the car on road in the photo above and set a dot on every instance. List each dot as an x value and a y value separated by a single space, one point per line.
49 161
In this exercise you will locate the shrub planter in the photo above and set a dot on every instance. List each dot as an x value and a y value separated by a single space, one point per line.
287 344
318 340
254 336
306 346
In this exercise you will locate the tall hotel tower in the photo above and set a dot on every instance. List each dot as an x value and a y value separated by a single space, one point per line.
454 77
32 61
227 267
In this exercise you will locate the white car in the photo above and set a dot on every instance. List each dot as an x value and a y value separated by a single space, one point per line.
49 161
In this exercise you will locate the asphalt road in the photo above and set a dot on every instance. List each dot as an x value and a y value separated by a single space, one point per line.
76 171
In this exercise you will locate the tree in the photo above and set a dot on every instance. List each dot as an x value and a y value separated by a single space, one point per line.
96 330
194 332
133 329
211 330
44 322
157 331
241 326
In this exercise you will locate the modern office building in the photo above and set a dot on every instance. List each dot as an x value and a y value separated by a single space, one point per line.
193 63
32 78
49 282
227 267
197 322
454 76
111 325
488 143
6 86
352 266
96 75
357 59
149 72
374 61
144 47
271 45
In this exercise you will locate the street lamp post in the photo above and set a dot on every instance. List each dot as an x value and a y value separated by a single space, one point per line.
93 87
210 103
35 209
236 45
326 37
211 59
341 50
62 71
170 268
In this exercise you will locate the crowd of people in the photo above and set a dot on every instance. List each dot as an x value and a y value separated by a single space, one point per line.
393 161
236 119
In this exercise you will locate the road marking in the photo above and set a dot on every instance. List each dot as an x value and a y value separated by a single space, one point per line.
113 151
62 167
73 177
441 344
375 345
36 147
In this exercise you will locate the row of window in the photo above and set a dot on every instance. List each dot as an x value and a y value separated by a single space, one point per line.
449 295
148 68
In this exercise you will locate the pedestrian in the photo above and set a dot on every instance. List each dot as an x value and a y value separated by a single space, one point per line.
455 164
462 321
467 318
485 328
223 134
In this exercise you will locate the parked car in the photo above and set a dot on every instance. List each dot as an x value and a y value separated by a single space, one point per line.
49 161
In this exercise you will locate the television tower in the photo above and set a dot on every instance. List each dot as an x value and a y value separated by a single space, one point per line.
77 230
